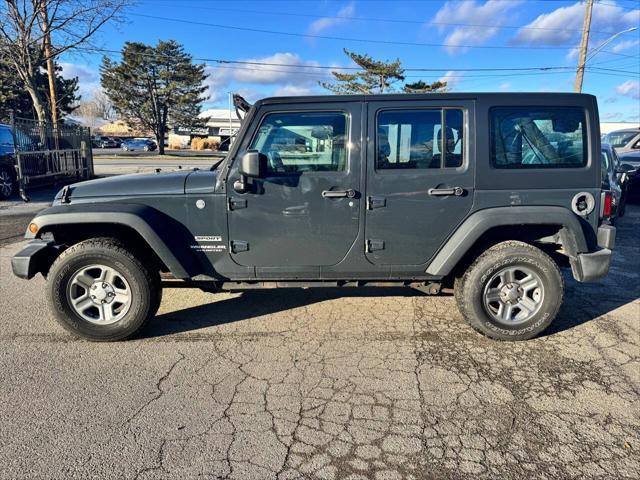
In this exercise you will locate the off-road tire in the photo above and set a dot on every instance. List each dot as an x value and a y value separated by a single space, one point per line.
146 290
8 179
470 286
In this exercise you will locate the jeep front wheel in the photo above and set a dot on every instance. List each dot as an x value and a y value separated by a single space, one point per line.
513 291
100 291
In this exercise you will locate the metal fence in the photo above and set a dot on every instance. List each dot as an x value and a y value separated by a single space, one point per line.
46 155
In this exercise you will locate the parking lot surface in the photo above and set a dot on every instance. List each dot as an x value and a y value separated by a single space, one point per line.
358 384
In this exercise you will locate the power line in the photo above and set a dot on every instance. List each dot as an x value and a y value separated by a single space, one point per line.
533 71
218 63
329 67
350 39
385 20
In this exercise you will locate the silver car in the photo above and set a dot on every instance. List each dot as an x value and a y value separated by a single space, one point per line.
626 140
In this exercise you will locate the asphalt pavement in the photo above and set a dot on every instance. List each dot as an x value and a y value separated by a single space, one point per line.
327 384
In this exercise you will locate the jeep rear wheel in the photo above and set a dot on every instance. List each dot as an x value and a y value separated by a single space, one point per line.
100 291
513 291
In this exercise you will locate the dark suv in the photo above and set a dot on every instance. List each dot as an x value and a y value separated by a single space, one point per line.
7 163
486 193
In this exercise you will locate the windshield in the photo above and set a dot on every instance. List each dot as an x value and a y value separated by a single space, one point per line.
620 139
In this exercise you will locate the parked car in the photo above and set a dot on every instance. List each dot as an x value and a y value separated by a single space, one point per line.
615 179
106 142
626 140
8 184
139 144
483 192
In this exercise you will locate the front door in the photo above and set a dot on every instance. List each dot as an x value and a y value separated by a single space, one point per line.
419 178
305 213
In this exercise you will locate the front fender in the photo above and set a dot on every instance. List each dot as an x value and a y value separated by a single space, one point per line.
167 237
571 233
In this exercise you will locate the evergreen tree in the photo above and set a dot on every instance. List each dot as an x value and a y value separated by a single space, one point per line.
155 86
376 76
423 87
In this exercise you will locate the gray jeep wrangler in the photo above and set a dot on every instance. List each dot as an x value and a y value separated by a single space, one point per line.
488 194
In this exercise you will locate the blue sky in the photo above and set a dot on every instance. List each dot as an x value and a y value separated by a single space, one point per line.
422 33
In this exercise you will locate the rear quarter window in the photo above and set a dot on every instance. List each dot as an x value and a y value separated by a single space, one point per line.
538 137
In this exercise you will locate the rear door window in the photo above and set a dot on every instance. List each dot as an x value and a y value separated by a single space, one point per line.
538 137
413 139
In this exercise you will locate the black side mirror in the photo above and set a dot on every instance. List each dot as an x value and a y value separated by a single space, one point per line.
625 168
253 164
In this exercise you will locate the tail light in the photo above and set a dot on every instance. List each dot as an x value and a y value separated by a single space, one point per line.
607 204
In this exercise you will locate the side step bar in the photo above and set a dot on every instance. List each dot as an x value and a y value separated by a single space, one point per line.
429 288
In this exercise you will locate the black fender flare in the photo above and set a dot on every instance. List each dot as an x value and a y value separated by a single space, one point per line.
167 237
571 234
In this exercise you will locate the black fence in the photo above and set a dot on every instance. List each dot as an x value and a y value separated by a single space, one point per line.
46 155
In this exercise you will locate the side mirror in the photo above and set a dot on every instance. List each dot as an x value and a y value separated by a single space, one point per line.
253 164
625 168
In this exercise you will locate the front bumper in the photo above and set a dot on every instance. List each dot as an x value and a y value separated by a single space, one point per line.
36 257
592 266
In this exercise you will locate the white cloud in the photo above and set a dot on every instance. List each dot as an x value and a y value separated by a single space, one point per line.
325 23
611 116
292 91
630 88
566 23
573 54
505 86
88 78
624 45
452 78
302 77
492 12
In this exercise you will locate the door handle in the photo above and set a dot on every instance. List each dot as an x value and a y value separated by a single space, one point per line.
351 193
444 192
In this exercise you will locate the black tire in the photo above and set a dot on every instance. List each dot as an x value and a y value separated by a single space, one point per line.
144 284
7 182
470 290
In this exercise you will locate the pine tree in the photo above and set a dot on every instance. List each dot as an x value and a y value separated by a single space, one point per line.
423 87
376 76
154 87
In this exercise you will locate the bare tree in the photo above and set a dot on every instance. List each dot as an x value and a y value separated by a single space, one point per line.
34 31
104 105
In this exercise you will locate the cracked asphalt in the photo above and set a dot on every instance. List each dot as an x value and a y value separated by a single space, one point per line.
358 384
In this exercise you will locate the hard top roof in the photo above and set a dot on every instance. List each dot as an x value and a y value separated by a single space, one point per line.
552 96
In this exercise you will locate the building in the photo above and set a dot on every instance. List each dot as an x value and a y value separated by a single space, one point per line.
606 127
221 125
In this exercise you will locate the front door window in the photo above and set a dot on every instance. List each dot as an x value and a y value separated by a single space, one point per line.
303 142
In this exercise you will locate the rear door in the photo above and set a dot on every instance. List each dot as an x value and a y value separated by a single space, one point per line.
420 177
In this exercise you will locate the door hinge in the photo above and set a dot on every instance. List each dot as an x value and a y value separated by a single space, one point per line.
237 203
239 246
376 202
373 245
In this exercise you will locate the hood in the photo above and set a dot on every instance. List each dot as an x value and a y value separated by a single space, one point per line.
162 183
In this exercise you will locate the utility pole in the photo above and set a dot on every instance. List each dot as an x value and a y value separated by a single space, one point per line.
584 44
50 66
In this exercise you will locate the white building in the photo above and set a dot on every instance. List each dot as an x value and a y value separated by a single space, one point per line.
606 127
221 126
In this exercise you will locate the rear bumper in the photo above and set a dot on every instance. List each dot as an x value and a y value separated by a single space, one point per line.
592 266
34 258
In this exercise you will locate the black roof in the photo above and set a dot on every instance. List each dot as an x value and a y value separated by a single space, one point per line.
552 96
